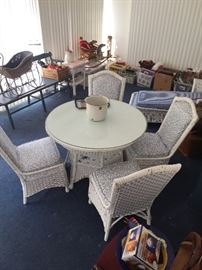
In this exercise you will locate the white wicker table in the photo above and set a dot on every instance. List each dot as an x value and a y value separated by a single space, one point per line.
94 144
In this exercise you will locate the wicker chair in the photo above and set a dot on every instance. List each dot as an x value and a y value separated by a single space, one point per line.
157 148
123 189
106 83
37 164
112 85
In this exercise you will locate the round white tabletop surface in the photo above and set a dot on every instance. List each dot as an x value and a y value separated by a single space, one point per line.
71 128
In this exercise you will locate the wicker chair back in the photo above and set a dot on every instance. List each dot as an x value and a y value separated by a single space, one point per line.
136 192
178 122
106 83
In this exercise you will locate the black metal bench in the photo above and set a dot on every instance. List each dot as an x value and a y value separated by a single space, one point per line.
30 86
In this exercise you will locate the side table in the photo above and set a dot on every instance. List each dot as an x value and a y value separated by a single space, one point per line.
77 70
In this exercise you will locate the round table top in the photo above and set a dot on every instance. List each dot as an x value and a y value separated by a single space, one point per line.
71 128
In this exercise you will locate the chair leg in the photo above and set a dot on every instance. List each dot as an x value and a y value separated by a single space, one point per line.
107 229
148 217
24 199
106 235
89 201
24 191
73 170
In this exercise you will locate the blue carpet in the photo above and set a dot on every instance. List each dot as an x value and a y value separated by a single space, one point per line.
61 231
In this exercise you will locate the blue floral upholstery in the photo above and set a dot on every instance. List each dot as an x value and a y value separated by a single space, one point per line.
44 149
106 83
148 145
103 178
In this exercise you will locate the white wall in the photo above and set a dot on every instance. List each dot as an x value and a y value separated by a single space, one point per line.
168 31
116 22
122 9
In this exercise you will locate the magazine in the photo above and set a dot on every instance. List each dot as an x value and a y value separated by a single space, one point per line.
142 247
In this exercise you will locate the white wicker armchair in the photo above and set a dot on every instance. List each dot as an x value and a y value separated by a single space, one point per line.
37 164
106 83
157 148
123 189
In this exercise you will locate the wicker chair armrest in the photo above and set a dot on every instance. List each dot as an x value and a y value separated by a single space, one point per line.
98 193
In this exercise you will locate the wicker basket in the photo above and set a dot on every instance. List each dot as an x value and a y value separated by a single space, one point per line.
145 78
18 65
182 87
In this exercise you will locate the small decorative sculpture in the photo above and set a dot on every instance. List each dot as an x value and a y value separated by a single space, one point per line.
109 46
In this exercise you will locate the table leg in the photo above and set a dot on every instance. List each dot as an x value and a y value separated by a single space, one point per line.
43 102
73 158
85 163
84 80
73 85
10 117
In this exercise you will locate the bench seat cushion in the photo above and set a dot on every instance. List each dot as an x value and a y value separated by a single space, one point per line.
161 99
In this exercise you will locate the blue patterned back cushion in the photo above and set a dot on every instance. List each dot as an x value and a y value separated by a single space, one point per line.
161 99
154 99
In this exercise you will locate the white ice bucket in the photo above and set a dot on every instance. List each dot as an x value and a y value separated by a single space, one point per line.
96 107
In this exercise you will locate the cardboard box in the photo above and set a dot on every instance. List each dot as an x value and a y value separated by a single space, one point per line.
169 71
56 74
182 87
163 81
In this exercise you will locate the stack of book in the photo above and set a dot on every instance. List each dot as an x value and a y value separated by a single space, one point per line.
143 248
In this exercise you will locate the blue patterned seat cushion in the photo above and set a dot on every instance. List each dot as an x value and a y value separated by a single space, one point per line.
103 178
37 155
161 99
150 145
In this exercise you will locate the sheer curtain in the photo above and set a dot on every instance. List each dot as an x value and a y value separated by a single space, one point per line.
20 27
60 22
64 21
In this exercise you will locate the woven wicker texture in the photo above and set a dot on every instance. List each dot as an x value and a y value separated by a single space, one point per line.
106 83
127 194
84 163
153 149
37 164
